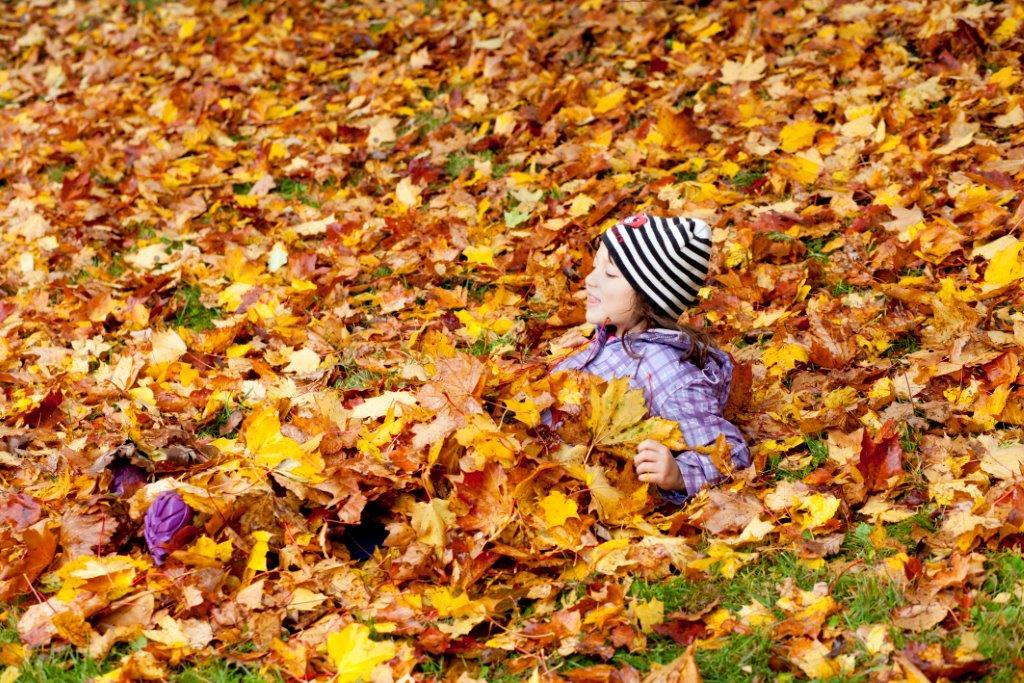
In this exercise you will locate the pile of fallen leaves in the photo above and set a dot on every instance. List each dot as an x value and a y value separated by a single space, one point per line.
297 269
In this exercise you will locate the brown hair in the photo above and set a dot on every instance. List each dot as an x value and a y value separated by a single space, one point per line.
700 341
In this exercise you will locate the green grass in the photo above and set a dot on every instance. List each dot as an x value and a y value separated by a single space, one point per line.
902 345
483 347
191 313
741 659
818 449
866 599
758 581
294 189
857 544
212 428
910 438
815 245
903 530
117 266
56 172
224 671
675 593
148 5
659 650
457 162
358 378
64 664
761 581
746 178
843 287
999 626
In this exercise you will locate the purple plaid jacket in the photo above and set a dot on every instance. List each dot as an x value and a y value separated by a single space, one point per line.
674 390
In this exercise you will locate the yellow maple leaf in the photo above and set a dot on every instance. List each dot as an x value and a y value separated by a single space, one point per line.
800 169
649 614
526 411
483 255
798 135
613 505
258 556
610 101
265 441
617 423
272 449
581 204
728 560
187 28
504 122
205 552
487 442
354 655
111 575
815 510
782 358
372 440
558 508
1005 266
454 605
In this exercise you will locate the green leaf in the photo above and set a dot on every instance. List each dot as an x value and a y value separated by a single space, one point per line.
514 218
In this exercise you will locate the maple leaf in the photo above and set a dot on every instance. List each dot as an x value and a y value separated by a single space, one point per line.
557 508
354 655
272 449
881 458
616 420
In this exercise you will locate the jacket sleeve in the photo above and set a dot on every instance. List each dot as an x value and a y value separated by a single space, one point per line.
695 406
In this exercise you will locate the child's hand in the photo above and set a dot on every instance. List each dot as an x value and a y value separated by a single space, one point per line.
654 464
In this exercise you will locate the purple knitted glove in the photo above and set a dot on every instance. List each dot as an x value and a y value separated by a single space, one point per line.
168 515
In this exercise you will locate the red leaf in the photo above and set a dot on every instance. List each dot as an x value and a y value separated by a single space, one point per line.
683 632
45 414
882 459
75 187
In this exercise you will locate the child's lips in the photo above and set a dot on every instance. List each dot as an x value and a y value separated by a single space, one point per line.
591 299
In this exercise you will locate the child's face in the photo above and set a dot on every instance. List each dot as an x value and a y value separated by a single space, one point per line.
611 300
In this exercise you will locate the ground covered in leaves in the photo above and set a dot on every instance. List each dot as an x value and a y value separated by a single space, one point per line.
296 271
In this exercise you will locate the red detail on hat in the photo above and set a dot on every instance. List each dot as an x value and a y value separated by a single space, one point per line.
618 235
635 221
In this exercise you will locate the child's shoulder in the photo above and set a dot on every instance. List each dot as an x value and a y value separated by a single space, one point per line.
662 350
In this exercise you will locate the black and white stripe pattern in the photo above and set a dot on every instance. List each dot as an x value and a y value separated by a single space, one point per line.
665 259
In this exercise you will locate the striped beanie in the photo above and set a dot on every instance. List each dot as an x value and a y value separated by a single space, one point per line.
665 259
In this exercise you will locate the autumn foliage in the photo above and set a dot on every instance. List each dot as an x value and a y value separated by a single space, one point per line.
282 282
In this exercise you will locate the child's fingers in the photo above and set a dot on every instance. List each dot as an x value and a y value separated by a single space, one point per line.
647 468
647 449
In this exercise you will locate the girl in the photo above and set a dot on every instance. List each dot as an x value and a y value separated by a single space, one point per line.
646 273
